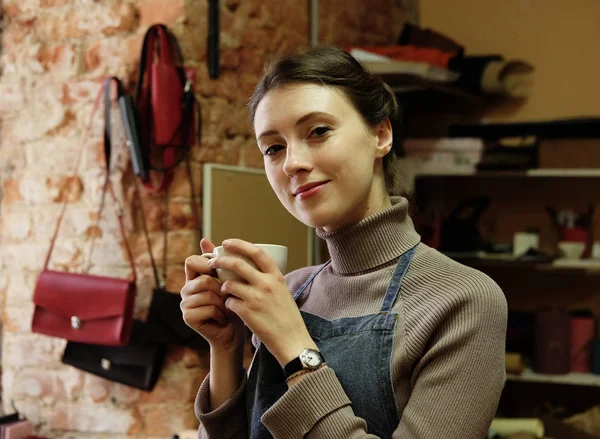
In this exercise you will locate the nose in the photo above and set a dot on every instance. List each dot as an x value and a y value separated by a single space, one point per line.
297 158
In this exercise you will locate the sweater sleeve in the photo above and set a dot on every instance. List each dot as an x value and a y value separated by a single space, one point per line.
456 383
229 421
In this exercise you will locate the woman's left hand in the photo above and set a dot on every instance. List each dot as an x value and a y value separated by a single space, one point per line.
264 302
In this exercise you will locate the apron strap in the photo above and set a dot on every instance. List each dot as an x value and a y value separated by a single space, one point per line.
300 291
394 287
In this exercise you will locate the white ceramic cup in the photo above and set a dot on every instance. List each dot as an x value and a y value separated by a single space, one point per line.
571 250
279 253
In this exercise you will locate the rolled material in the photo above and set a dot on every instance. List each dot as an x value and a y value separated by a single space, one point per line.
551 353
506 426
514 363
582 334
509 78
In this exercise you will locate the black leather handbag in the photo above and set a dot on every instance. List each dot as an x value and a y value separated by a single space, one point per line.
166 325
138 364
165 322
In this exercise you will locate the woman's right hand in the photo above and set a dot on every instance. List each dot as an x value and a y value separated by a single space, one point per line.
203 308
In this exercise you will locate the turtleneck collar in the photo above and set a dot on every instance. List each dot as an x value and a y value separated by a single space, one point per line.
373 241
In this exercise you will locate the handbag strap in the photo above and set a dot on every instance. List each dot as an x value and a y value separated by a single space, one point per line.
108 187
161 281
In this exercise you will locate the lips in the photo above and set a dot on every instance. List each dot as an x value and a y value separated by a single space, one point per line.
308 186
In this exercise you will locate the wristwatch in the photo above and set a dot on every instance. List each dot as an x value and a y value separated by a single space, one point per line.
309 359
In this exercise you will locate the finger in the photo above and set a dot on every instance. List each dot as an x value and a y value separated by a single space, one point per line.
200 284
196 265
239 266
237 289
202 315
206 245
236 306
204 298
261 258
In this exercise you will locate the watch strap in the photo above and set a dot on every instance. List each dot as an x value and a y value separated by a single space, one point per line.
296 365
292 367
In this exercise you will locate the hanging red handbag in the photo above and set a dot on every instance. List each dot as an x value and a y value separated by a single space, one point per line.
81 307
166 105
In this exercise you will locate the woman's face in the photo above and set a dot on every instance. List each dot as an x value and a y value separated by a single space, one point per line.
322 160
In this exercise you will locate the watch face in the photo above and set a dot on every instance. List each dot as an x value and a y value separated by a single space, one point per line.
311 358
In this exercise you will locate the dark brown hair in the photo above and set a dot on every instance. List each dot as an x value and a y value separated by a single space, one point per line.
333 67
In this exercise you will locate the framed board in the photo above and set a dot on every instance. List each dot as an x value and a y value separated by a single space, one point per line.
239 202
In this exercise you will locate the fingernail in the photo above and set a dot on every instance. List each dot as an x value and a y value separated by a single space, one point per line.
226 243
210 261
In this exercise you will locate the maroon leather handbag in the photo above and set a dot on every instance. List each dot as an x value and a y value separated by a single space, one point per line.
165 103
82 307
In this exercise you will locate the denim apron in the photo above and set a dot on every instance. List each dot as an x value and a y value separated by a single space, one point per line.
358 349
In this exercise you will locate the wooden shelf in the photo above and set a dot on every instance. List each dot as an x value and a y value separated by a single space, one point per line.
546 173
410 78
482 261
572 378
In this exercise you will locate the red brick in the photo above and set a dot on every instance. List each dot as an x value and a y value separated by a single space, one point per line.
68 254
58 57
13 96
160 11
31 410
94 418
251 155
55 3
23 256
80 91
65 383
232 5
122 394
100 57
92 57
181 216
164 420
14 34
105 18
97 389
224 151
175 278
189 358
15 224
58 25
11 8
18 349
17 318
68 188
176 385
226 86
19 286
180 186
11 192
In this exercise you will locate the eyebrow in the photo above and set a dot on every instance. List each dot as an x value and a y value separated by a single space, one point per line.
298 122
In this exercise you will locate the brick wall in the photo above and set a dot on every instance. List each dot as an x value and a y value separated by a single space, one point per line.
54 57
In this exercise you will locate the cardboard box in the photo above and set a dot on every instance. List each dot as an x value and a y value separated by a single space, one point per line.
569 153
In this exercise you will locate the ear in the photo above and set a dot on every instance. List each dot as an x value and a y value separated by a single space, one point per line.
384 138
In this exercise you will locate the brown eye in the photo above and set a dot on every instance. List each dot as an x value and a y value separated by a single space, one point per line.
320 131
271 150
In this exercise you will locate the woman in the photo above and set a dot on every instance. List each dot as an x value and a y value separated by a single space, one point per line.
389 338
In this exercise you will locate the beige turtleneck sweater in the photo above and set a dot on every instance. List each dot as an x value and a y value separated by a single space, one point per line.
448 355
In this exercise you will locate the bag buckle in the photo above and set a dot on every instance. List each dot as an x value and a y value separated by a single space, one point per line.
75 322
